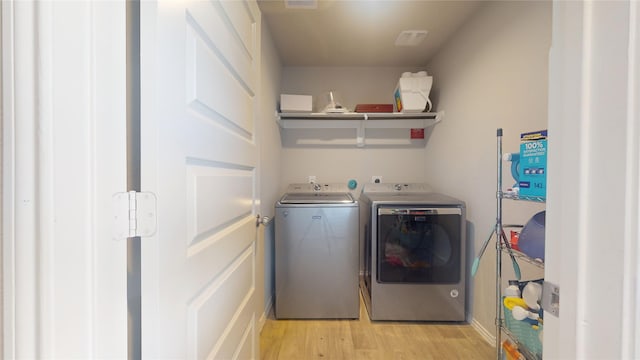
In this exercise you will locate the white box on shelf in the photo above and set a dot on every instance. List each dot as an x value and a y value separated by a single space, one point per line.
295 103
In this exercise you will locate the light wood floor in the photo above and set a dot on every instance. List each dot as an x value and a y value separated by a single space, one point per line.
363 339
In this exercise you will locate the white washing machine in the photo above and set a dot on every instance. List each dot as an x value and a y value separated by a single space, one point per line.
413 247
316 253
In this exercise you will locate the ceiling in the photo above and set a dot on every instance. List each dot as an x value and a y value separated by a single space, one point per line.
362 32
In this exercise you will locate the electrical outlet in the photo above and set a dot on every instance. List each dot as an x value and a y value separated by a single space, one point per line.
376 179
312 179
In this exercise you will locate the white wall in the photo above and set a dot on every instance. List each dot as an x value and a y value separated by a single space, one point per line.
492 73
354 85
270 154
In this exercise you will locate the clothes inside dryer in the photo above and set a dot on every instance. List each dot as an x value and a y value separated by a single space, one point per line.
416 247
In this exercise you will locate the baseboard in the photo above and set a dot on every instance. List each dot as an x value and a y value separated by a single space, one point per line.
261 322
484 333
265 314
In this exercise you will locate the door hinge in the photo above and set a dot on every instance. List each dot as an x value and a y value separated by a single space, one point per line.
134 214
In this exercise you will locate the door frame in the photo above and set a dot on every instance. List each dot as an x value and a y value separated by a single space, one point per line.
593 191
64 275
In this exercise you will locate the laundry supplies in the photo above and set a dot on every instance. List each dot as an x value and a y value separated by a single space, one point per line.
533 164
523 316
514 158
412 92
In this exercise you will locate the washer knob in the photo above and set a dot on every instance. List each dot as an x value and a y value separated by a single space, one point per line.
397 187
317 187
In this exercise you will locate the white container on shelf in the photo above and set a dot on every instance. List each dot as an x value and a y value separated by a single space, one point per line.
412 92
296 103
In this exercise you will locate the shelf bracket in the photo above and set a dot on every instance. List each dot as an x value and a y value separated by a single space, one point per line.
360 132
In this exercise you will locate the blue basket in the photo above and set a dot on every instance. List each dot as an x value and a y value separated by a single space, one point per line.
524 333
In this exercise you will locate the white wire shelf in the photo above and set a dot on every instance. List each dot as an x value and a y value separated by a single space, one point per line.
360 122
512 196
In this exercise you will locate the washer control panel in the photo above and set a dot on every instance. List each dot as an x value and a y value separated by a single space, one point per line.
317 187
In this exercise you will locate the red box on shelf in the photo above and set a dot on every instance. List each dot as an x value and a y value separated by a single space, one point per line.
374 108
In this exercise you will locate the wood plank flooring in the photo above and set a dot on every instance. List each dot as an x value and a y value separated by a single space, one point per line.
363 339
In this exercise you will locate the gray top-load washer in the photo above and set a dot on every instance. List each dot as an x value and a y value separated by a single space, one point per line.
316 253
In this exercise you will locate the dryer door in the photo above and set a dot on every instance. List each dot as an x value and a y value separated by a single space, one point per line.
419 245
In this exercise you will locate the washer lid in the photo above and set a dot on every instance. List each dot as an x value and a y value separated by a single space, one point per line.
317 198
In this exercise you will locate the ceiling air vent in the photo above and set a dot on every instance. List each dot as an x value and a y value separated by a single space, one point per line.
411 37
301 4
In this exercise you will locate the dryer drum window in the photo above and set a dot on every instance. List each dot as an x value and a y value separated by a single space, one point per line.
419 248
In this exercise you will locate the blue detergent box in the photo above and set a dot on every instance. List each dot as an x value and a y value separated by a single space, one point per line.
533 164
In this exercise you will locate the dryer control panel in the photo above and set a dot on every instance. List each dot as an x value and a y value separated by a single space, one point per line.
397 187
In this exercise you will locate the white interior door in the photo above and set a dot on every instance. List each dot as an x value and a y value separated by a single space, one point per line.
200 75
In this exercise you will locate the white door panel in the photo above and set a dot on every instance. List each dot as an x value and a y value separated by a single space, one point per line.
199 78
207 188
